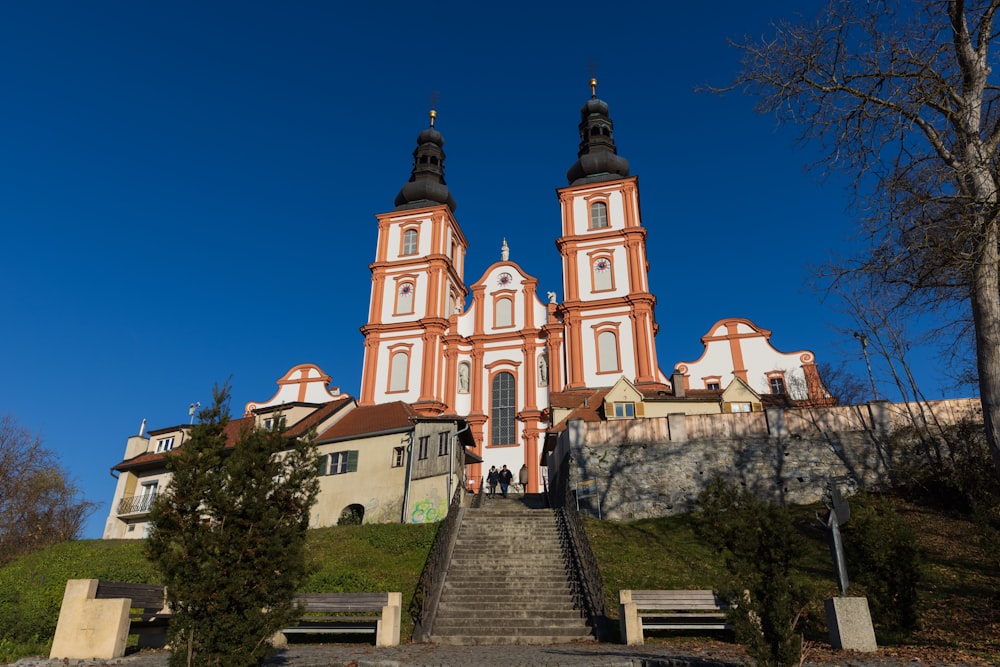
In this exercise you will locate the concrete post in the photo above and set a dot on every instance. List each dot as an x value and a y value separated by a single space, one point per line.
387 633
628 619
776 425
677 424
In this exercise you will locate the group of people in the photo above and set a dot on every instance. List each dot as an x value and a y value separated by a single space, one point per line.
504 477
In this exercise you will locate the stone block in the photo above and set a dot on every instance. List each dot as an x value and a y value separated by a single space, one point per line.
850 624
89 628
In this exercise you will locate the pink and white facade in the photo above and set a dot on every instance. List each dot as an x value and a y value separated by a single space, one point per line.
738 348
494 358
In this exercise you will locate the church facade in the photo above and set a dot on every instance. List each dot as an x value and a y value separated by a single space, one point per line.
497 360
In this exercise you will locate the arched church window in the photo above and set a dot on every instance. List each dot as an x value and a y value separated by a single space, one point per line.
404 299
598 215
504 406
410 242
398 370
607 352
602 274
505 312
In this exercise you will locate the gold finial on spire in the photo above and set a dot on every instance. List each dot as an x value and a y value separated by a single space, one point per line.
593 86
434 103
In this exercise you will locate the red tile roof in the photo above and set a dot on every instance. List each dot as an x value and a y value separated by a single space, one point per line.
153 459
314 418
371 420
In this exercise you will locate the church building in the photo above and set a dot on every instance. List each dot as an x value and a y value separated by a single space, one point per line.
496 361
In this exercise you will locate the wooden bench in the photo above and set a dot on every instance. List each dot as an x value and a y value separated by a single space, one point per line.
378 613
669 610
96 618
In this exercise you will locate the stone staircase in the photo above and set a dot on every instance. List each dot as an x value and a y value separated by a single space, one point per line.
508 581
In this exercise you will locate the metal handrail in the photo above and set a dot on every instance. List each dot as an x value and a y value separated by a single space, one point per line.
423 608
136 504
586 580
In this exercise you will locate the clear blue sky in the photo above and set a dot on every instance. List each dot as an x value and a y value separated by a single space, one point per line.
188 189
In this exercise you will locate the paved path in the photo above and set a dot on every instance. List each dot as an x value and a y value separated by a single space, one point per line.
426 655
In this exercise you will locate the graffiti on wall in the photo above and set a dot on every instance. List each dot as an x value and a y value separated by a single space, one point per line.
427 511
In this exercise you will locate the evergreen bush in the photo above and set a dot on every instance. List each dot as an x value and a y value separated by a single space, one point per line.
883 558
761 545
229 538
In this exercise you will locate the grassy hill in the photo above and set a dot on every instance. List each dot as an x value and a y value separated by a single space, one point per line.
960 601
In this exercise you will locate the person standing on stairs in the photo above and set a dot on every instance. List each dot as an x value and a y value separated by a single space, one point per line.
505 478
492 478
522 479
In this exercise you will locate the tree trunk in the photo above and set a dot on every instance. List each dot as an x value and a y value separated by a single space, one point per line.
986 317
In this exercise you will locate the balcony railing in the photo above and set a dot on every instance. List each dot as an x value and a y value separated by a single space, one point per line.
136 504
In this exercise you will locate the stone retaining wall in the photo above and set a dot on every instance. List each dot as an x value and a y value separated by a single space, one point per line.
654 467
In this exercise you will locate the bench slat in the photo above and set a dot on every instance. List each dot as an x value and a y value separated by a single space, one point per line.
143 596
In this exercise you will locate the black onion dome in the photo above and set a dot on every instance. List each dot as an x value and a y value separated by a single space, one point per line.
598 159
426 186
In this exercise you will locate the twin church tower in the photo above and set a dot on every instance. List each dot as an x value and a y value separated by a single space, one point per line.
499 359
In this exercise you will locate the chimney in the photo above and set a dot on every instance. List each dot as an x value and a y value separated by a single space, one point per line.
677 380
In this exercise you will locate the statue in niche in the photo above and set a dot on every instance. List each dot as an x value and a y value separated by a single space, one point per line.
463 378
543 371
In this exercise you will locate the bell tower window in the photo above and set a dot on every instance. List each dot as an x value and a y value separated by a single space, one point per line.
598 215
607 352
409 242
399 368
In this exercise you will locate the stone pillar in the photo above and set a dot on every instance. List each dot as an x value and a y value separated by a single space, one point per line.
677 424
881 419
776 426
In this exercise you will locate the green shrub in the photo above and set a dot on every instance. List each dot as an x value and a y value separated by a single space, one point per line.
882 557
761 545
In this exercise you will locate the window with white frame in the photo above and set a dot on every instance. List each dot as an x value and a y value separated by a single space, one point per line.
598 215
410 242
274 423
777 384
398 457
505 312
338 463
165 444
607 352
398 369
740 407
624 410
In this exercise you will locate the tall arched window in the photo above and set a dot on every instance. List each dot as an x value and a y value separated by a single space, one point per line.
398 370
505 313
607 352
602 274
598 215
410 242
404 299
503 400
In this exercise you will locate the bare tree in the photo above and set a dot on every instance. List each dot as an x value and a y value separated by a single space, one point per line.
901 96
39 504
